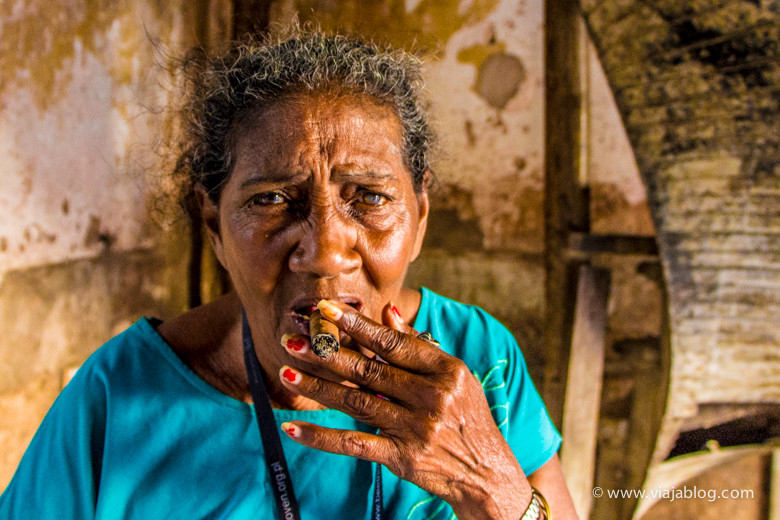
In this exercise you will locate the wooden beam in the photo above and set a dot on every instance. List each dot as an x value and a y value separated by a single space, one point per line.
565 206
583 386
584 245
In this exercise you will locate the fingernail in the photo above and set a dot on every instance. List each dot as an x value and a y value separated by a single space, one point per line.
330 310
291 430
397 313
290 375
294 342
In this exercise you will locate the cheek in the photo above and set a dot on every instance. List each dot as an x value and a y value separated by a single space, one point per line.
255 257
387 255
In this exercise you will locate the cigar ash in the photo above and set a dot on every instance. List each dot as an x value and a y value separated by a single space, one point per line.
324 335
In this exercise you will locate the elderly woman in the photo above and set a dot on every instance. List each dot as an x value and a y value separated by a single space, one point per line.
308 157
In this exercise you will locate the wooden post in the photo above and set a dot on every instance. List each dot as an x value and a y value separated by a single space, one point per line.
583 386
565 208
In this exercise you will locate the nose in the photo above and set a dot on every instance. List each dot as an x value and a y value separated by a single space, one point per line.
326 247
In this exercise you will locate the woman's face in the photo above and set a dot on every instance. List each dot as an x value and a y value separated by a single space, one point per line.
319 205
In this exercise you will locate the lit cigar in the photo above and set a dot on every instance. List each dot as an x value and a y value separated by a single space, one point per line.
324 335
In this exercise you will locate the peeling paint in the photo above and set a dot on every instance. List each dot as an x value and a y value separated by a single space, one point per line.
90 132
476 54
499 74
499 78
38 42
38 38
429 23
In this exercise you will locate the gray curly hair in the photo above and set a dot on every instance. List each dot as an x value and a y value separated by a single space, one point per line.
260 71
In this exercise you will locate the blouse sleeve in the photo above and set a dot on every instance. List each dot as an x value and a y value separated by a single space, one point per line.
514 402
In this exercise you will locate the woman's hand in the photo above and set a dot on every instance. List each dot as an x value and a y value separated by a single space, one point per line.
435 425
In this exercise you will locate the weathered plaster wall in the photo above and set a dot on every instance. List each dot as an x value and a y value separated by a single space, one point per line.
81 255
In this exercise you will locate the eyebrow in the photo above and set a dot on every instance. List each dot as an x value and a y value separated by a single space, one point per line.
273 179
338 174
359 174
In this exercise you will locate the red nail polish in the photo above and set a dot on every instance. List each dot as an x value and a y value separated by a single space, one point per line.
397 313
291 430
290 375
296 344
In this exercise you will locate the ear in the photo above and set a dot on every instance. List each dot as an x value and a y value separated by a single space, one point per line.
424 207
209 211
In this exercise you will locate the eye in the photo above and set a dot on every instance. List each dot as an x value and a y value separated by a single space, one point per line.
270 198
371 198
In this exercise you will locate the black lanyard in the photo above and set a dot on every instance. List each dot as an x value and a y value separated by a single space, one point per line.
276 464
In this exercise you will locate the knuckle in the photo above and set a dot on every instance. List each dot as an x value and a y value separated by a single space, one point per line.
460 373
356 323
360 404
453 373
429 433
367 371
442 403
352 445
388 340
444 394
315 387
403 466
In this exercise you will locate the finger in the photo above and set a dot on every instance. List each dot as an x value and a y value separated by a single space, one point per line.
370 373
398 348
356 444
296 343
391 317
357 403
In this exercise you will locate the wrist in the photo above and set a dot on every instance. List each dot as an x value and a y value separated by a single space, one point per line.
538 509
507 502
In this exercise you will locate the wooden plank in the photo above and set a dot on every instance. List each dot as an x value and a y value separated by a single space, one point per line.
674 473
583 386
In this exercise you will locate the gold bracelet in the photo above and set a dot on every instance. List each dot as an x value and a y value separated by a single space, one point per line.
538 509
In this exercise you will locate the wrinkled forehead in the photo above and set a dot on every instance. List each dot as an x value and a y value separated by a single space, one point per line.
331 124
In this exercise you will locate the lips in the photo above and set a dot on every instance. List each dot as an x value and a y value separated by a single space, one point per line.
303 309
